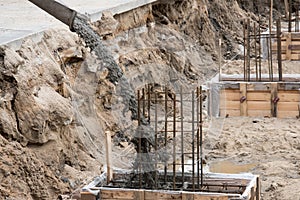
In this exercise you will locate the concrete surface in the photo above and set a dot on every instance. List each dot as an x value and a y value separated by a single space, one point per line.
20 18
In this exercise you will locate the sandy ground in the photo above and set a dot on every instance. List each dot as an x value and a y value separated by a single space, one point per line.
268 147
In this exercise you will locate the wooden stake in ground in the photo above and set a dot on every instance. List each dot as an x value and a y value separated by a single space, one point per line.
109 172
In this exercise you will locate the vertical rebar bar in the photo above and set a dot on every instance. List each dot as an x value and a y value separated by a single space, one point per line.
144 102
193 139
140 141
297 18
174 141
255 52
198 138
290 16
155 142
149 101
259 50
270 38
166 132
248 49
244 32
182 136
278 23
268 52
201 136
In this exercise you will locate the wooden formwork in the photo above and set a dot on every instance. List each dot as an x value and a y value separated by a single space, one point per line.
260 99
290 46
249 183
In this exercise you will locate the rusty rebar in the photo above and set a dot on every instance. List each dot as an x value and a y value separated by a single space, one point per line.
174 141
182 137
193 140
248 50
270 38
144 102
255 52
290 16
279 58
201 136
166 132
244 41
140 141
149 102
259 50
198 138
155 141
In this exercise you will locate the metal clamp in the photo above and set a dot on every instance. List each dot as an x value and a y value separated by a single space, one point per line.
242 99
276 99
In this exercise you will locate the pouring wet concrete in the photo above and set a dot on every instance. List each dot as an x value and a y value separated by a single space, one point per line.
20 19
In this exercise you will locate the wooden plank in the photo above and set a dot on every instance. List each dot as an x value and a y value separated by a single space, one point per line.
258 86
230 113
187 196
288 106
288 51
274 91
231 95
289 86
108 157
87 196
259 105
290 56
117 194
259 113
230 105
209 197
149 195
139 195
287 114
230 86
243 94
289 96
258 96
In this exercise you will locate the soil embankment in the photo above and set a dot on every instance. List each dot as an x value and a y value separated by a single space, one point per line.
61 94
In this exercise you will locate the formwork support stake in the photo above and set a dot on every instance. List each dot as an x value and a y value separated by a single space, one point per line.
109 173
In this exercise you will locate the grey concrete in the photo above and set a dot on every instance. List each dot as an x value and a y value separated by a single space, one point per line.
20 18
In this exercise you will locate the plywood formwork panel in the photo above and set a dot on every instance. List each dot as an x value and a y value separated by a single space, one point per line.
288 106
122 194
230 105
288 114
289 96
258 96
259 113
230 95
149 195
259 105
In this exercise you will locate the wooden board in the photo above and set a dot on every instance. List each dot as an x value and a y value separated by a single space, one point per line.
290 57
259 105
258 87
259 113
201 197
289 96
258 96
150 195
117 194
231 95
287 114
230 105
243 105
287 106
